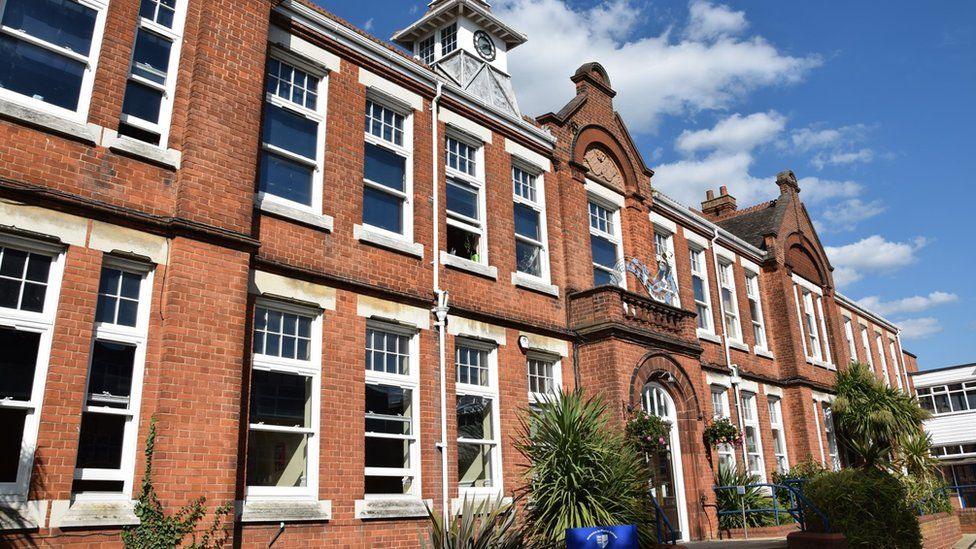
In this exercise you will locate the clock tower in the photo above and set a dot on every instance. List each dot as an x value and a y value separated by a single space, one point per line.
468 46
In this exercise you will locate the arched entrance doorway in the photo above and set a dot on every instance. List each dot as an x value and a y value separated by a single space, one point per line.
667 484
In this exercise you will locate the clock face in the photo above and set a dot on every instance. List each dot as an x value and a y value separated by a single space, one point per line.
484 45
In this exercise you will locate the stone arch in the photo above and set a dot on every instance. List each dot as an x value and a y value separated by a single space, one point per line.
806 259
597 137
656 366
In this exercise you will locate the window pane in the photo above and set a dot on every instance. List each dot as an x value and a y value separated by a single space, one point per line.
35 72
110 382
290 131
276 459
12 435
474 417
142 102
285 178
60 22
96 486
942 404
100 443
388 485
527 258
281 399
150 58
17 363
474 465
387 452
463 243
160 11
604 252
384 167
391 401
382 210
958 401
602 278
38 268
462 199
527 222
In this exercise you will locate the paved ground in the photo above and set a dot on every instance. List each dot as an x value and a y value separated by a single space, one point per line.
774 543
968 541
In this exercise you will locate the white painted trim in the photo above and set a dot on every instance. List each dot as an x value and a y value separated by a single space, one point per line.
23 515
676 461
695 239
392 508
749 386
546 344
109 238
69 229
170 158
663 223
722 380
529 282
284 510
394 91
324 58
480 269
460 326
77 514
807 284
388 240
773 390
372 307
526 155
463 124
606 194
749 265
725 253
272 285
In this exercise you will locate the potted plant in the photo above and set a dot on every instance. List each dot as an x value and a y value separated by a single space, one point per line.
722 431
649 433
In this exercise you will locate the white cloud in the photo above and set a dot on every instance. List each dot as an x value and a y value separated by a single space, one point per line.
912 304
841 158
815 190
368 25
653 75
846 215
919 328
872 255
709 21
735 133
816 136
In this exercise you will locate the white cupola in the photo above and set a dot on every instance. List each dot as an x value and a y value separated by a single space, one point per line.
466 44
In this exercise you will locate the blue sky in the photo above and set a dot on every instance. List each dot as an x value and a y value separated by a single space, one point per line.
870 104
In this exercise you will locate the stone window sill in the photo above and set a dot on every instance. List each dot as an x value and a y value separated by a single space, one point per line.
457 504
738 345
79 514
170 158
368 235
473 267
534 284
392 508
709 336
763 353
820 363
319 221
270 510
22 515
89 133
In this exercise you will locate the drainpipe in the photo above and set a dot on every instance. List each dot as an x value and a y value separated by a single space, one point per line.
441 309
736 379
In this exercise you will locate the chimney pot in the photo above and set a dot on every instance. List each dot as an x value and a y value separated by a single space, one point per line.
709 195
720 207
724 190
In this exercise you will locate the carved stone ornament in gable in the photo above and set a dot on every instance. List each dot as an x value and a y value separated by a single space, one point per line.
603 167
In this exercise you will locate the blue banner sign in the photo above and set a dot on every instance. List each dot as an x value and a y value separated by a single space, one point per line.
602 537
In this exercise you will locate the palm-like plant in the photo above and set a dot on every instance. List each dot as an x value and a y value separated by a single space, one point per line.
485 524
581 471
872 419
916 458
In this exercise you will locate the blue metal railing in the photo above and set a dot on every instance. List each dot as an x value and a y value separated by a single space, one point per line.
960 492
665 532
798 503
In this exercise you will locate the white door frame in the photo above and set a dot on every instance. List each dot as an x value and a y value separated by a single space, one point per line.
675 444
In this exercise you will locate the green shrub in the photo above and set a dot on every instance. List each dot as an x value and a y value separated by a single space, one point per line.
488 524
582 471
870 507
730 500
927 495
803 471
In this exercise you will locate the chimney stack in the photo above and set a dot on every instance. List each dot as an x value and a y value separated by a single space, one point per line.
716 209
786 181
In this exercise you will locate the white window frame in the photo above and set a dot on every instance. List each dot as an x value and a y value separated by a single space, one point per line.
421 47
136 336
665 238
849 336
750 419
475 181
410 381
312 368
175 36
442 34
721 409
91 61
726 281
557 376
879 343
775 405
866 343
894 357
41 323
758 319
539 205
615 237
833 451
405 150
490 392
816 422
699 269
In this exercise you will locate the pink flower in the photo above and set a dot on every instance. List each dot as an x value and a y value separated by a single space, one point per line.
648 439
660 440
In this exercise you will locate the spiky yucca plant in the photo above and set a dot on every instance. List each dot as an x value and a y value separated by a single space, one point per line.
729 500
581 471
485 524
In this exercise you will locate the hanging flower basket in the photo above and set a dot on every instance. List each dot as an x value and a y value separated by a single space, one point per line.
722 431
648 432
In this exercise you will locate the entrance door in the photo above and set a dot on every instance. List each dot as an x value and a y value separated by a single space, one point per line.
667 483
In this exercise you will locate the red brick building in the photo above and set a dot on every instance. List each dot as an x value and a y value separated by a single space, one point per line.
336 274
